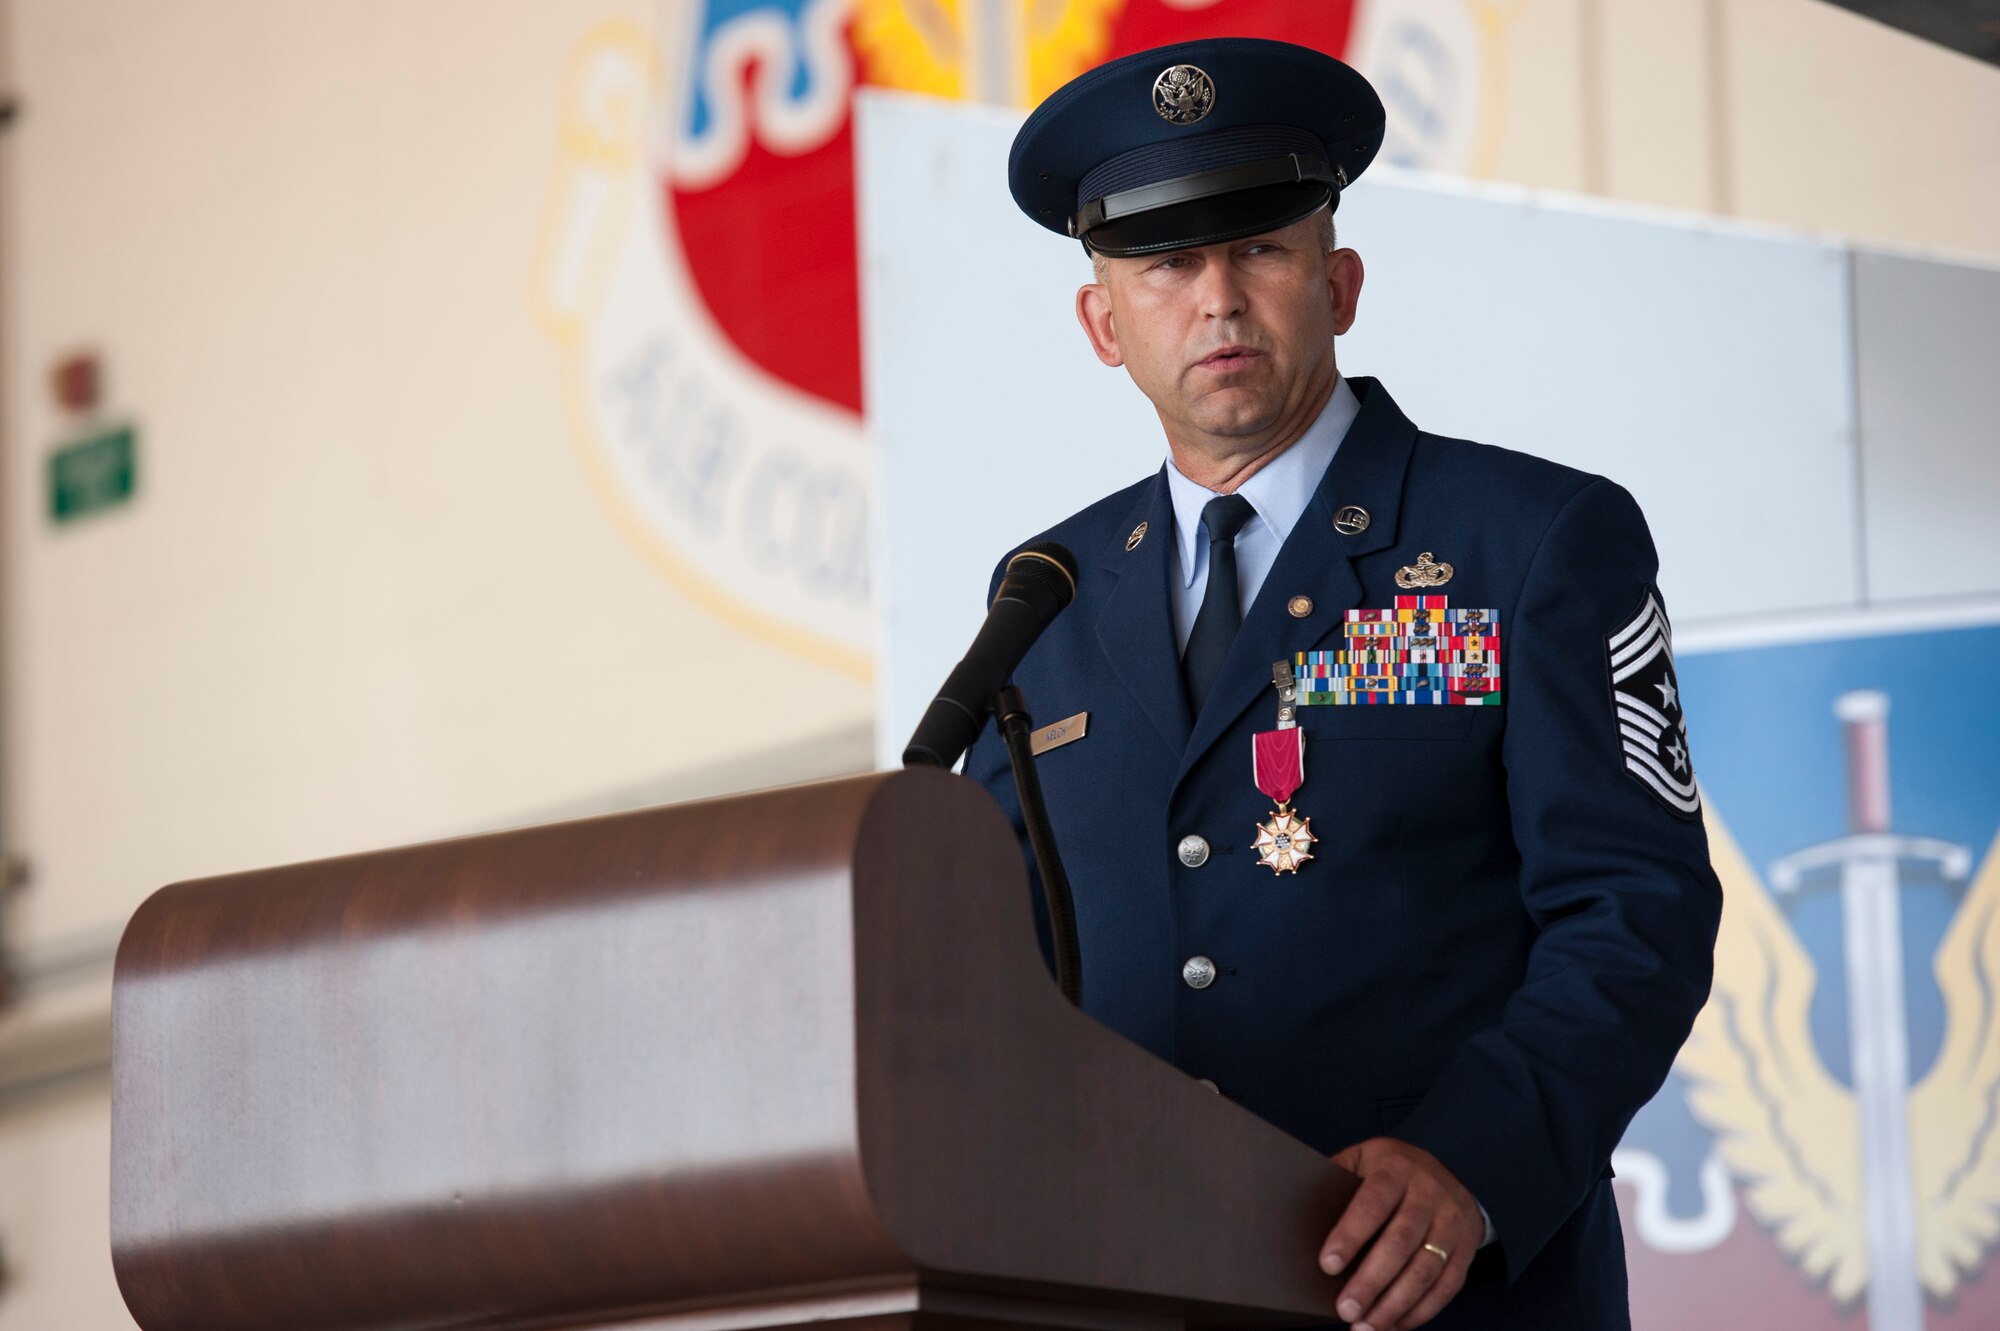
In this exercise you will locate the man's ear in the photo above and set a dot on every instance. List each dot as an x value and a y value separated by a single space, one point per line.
1093 311
1343 283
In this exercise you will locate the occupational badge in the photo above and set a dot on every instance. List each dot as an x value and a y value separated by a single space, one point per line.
1646 699
1426 572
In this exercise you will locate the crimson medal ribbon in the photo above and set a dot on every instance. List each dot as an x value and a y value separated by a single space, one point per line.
1278 758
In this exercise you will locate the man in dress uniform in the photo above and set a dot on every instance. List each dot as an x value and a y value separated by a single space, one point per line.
1383 821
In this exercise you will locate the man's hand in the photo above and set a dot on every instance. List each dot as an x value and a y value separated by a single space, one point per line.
1406 1199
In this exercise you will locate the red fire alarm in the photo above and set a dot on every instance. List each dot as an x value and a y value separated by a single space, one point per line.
77 382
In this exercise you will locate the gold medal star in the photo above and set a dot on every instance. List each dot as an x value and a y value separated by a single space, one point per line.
1281 844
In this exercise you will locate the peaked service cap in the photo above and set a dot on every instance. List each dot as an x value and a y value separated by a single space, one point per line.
1194 143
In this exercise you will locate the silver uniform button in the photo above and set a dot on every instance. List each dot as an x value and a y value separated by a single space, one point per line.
1211 1085
1194 851
1199 972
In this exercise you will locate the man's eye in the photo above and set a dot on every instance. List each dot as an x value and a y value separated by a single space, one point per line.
1175 261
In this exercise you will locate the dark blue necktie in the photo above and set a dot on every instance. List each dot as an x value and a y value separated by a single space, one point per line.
1221 611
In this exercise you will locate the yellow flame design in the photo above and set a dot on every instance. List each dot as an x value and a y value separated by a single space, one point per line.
929 46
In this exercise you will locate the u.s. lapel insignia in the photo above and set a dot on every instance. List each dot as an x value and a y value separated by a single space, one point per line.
1351 520
1426 572
1138 535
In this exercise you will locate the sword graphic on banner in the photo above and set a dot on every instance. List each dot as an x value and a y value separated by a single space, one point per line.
1867 866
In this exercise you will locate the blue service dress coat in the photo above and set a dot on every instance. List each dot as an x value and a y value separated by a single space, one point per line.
1508 923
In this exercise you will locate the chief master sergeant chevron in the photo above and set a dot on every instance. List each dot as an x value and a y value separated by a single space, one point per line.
1449 914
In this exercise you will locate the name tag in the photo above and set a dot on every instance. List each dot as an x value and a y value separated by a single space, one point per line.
1065 731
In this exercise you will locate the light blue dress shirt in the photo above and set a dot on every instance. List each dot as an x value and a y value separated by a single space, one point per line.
1279 492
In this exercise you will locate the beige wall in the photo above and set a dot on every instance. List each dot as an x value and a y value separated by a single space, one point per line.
1791 111
1845 124
54 1179
368 592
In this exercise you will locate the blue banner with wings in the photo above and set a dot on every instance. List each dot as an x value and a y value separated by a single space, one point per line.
1827 1150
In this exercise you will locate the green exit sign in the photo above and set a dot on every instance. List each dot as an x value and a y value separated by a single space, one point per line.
94 473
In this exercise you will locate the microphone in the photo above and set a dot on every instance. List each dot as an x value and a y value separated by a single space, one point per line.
1038 583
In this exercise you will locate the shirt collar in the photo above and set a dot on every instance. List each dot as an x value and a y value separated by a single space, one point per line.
1281 488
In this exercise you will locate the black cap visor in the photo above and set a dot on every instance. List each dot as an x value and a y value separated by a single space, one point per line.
1211 220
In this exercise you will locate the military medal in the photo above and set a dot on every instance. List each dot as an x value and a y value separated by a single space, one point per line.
1278 762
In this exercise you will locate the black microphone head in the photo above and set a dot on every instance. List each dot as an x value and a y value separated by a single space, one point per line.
1046 569
1038 582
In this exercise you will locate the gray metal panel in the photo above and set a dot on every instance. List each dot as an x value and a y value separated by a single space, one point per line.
991 419
1927 347
1704 367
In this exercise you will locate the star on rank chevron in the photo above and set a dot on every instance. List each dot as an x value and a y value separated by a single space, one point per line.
1653 738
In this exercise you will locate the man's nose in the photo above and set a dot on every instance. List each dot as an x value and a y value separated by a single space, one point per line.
1221 289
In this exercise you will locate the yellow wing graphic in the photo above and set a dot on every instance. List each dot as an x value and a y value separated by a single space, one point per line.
936 46
1786 1128
1065 37
915 45
1955 1109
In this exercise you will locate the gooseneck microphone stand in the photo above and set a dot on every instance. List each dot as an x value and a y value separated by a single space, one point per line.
1038 581
1010 712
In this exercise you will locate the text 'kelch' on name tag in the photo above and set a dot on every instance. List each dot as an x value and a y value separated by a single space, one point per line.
1065 731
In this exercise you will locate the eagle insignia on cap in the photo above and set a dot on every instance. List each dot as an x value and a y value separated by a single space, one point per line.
1183 94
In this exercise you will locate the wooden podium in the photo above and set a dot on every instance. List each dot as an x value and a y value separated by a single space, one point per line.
785 1058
